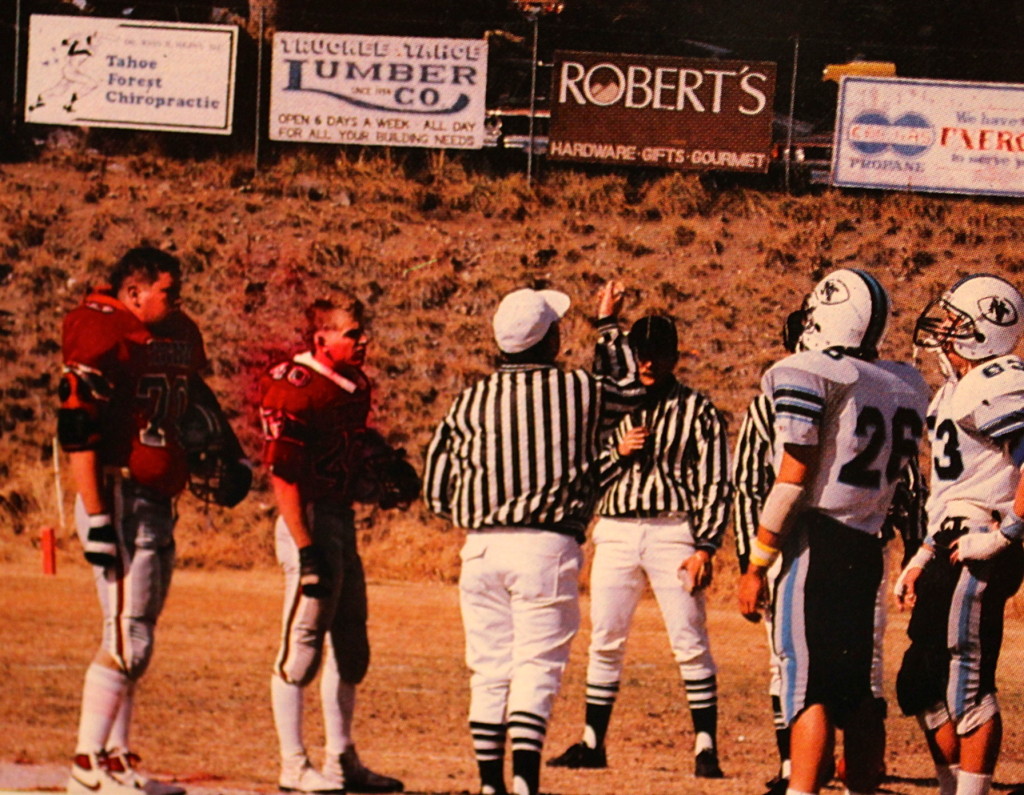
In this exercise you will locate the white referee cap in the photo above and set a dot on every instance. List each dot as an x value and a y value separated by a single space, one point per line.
524 317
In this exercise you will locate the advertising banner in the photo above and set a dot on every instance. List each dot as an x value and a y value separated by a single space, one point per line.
930 135
648 110
378 90
99 72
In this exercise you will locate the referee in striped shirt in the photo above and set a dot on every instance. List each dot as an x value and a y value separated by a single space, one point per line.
515 463
663 512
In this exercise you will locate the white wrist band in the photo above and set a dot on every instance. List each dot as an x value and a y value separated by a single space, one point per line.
779 504
920 558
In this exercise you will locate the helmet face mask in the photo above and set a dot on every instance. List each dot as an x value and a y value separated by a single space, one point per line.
978 318
941 323
848 310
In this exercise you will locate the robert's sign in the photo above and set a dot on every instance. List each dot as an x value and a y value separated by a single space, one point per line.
378 90
684 113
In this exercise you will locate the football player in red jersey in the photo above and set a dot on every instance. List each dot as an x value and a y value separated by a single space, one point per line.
131 358
314 409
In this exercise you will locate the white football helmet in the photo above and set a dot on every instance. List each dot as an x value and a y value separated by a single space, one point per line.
979 317
848 310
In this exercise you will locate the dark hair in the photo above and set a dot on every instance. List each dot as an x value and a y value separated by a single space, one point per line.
145 262
318 311
654 335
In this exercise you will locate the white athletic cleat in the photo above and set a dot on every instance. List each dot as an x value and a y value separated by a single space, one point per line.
298 775
89 776
122 767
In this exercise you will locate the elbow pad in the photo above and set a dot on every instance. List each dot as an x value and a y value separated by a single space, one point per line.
77 429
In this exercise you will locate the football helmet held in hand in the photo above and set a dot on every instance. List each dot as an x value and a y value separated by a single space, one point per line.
218 470
381 474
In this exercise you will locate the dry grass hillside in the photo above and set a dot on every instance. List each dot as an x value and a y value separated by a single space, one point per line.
430 241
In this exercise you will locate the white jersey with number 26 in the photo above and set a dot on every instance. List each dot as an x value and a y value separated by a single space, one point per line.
865 418
970 422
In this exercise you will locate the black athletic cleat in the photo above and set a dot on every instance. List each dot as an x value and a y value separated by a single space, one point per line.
706 765
777 786
581 756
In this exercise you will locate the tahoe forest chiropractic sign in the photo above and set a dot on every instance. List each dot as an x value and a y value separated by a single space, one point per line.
378 90
99 72
647 110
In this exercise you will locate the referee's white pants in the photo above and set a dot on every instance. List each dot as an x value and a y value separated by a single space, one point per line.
519 595
628 553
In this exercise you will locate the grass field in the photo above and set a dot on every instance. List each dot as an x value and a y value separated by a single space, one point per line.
203 712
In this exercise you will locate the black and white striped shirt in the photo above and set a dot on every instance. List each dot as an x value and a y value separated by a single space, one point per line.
520 448
753 477
683 468
752 472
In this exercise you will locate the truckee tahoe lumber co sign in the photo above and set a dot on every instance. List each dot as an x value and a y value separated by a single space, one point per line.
378 90
650 110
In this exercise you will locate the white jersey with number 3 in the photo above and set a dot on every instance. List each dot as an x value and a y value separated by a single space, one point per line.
865 418
970 422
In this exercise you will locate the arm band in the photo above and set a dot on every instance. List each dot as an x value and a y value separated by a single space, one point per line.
77 430
762 555
920 558
779 504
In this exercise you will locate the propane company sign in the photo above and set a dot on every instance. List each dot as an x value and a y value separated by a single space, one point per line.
378 90
646 110
930 135
99 72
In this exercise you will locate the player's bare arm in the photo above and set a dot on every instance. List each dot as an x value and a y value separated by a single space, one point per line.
290 505
797 468
85 472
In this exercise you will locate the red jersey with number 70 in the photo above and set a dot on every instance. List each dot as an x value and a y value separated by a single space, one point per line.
133 380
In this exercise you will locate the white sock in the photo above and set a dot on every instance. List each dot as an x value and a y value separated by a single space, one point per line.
101 698
947 775
973 783
118 738
703 742
787 767
338 700
287 702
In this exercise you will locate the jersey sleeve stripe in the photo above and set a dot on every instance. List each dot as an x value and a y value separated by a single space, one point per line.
1005 425
798 411
802 395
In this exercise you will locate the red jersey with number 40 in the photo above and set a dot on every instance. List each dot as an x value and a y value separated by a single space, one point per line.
133 380
313 419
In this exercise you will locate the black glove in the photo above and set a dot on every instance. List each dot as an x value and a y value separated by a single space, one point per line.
101 541
314 575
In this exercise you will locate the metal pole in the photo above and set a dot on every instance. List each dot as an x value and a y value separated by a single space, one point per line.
17 60
792 107
259 92
533 101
